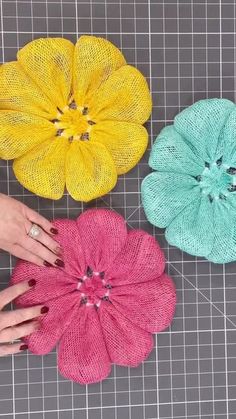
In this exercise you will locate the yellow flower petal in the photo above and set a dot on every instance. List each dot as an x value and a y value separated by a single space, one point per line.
90 171
125 141
42 169
118 102
95 60
124 96
18 92
49 61
20 132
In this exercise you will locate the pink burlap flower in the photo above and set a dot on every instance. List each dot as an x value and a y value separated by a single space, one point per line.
107 301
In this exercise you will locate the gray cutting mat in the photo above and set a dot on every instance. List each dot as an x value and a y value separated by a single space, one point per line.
186 49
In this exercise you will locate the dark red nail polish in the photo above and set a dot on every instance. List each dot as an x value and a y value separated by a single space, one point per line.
44 310
23 347
31 282
47 264
54 230
59 263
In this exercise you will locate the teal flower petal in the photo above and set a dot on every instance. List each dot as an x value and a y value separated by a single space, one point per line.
170 153
192 230
228 143
201 124
193 194
165 195
224 247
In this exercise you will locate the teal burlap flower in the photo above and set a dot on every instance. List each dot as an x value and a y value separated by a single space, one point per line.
193 191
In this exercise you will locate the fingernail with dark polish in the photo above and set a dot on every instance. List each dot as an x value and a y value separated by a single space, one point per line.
31 282
23 347
59 263
54 230
47 264
44 310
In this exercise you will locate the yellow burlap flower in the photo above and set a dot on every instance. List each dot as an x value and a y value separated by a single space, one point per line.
72 115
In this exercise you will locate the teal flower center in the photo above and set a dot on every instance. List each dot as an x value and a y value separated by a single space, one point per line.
217 180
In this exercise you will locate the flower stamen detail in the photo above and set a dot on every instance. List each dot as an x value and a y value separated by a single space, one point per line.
89 272
73 105
59 132
93 288
85 111
60 111
84 300
232 188
231 170
84 136
217 180
73 122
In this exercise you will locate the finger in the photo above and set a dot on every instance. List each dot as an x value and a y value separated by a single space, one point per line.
39 250
46 240
24 254
16 332
12 349
36 218
11 293
11 318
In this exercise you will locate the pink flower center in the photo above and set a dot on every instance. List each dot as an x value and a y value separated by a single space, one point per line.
94 288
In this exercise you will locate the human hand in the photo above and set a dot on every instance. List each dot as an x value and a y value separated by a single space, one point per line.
16 220
18 323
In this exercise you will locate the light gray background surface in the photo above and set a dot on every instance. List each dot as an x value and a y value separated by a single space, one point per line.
186 49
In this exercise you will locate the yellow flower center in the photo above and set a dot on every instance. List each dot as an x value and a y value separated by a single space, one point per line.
73 122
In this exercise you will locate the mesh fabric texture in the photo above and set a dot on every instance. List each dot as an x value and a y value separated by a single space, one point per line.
192 192
72 116
107 301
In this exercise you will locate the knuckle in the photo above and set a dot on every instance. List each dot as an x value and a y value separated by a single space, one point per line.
3 336
4 350
53 244
35 312
18 289
7 335
19 316
21 287
35 246
40 250
1 301
45 239
2 322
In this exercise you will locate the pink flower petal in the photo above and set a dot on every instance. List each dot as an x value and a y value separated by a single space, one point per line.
50 283
149 305
73 254
126 343
102 233
140 260
82 352
53 323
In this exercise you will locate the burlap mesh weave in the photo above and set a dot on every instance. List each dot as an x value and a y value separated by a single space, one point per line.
107 301
72 116
193 189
